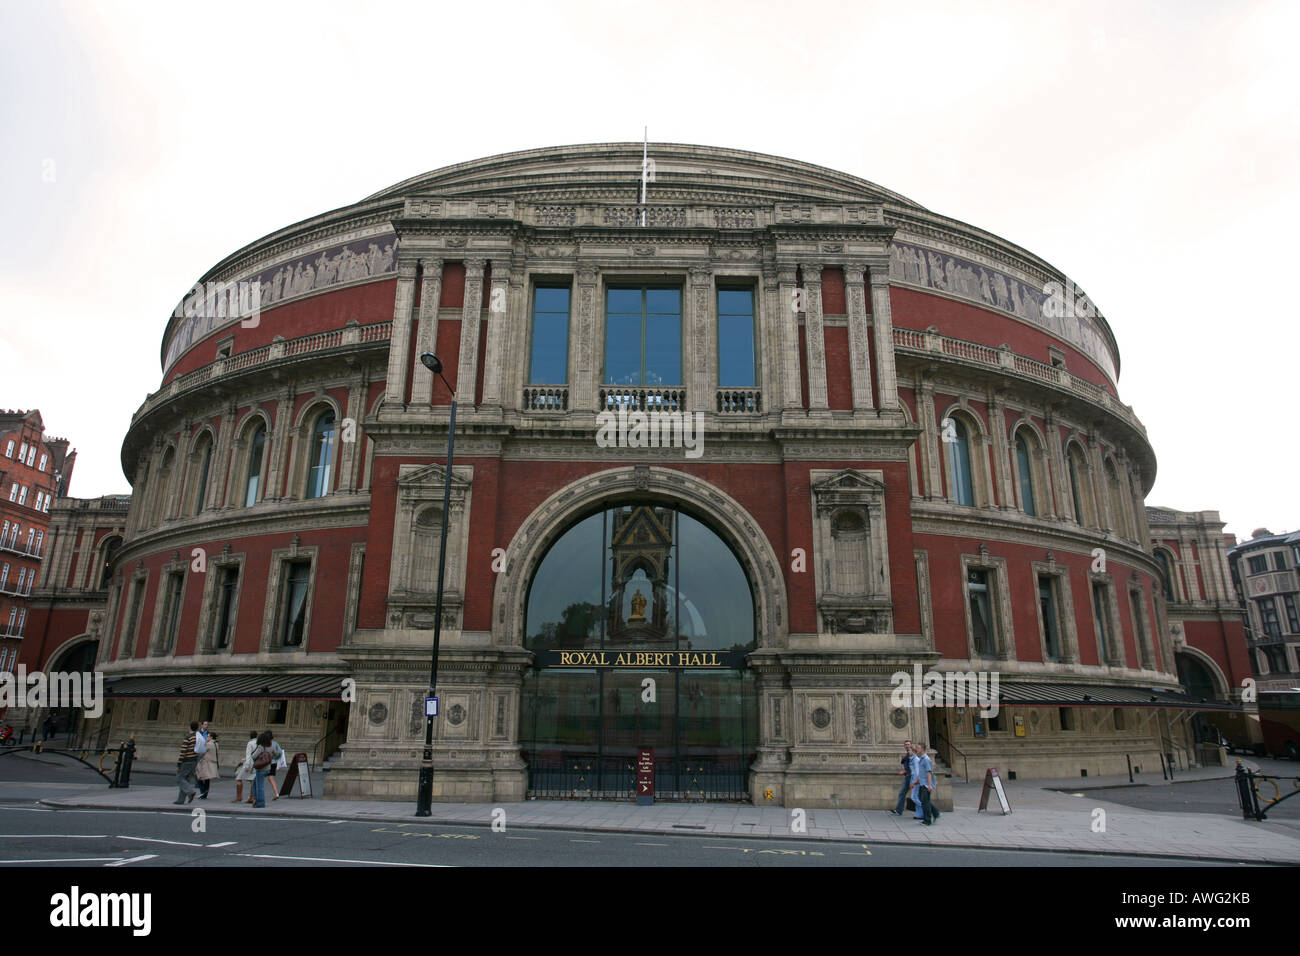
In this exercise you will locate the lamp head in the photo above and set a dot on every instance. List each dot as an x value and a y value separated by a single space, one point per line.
430 361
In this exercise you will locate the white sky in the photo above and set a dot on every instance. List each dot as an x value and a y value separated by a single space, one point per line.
1142 148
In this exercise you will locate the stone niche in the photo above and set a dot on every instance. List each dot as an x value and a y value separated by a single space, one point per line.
851 551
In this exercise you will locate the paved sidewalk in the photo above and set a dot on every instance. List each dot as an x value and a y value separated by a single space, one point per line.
1043 818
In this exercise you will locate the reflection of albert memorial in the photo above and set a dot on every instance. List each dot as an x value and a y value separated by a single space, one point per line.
641 558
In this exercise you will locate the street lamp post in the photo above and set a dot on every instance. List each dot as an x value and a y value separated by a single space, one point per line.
424 802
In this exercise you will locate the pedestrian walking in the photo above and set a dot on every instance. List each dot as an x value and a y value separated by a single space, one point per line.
245 771
48 727
906 783
925 786
914 775
278 762
209 768
186 765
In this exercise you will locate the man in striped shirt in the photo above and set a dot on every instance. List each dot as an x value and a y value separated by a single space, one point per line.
187 766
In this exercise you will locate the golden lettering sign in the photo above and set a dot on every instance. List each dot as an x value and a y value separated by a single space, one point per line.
627 658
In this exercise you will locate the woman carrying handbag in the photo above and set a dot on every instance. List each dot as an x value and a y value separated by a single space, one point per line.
262 762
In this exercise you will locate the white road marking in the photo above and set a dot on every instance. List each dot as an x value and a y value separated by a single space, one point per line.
212 846
154 840
319 859
134 859
83 859
51 836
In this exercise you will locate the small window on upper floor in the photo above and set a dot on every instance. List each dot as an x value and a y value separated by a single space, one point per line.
1279 560
1056 356
45 459
225 347
31 456
9 449
1258 563
737 360
22 451
550 352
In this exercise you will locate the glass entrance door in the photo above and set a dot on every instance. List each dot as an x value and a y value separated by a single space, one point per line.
639 618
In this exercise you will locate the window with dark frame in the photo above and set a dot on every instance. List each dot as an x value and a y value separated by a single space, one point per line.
1101 620
297 577
1258 563
1268 616
226 616
983 625
1293 621
1047 604
154 707
277 711
1027 502
172 612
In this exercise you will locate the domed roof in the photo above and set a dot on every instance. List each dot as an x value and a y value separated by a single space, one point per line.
612 171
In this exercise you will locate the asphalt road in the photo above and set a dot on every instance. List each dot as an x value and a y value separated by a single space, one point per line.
30 835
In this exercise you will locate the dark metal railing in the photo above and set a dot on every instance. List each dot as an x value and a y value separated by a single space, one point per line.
589 776
1254 806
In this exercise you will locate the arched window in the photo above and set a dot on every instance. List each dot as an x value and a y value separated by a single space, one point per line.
321 461
162 490
963 487
111 546
1166 575
1079 489
1026 472
253 467
202 460
1118 516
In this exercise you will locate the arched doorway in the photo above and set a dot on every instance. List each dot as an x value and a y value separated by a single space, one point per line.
639 617
1199 681
77 659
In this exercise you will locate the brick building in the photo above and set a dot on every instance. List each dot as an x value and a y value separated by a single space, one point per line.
768 441
34 472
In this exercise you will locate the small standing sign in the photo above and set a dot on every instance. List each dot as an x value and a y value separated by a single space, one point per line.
645 776
297 773
993 782
431 707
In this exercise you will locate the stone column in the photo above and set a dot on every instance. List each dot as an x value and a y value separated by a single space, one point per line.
1063 504
426 334
222 464
697 351
929 437
814 337
515 360
859 331
787 321
470 315
279 450
583 340
399 346
498 335
883 324
997 406
1100 491
350 451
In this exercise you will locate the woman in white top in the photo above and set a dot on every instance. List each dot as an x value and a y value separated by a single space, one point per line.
245 771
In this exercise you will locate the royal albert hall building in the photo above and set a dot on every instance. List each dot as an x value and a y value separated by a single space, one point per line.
874 446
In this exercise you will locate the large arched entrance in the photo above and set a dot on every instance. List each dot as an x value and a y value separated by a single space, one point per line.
639 617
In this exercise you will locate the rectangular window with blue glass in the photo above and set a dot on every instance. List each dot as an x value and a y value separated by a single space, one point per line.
550 352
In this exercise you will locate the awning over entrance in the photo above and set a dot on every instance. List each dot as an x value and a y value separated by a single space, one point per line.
1012 692
299 686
